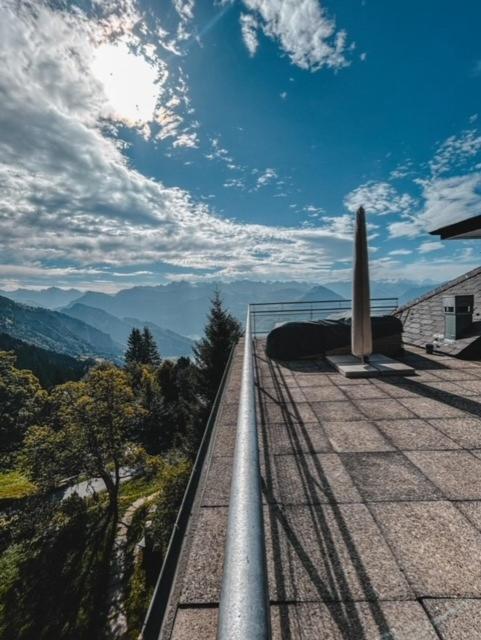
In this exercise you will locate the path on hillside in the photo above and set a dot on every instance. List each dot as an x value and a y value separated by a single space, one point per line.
117 620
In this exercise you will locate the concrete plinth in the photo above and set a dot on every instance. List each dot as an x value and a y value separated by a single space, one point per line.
378 365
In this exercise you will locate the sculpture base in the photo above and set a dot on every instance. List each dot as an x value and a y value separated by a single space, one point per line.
377 365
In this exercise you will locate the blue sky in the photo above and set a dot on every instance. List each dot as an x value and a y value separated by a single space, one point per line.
143 142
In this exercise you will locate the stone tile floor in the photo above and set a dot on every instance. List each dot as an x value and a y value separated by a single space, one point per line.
372 504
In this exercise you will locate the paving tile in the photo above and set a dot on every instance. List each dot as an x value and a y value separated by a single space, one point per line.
195 622
285 438
288 412
224 442
383 409
331 553
439 551
351 621
455 619
415 434
388 476
472 511
341 410
399 388
326 392
456 473
348 621
472 385
366 392
319 380
202 579
466 431
457 374
309 479
228 413
429 408
359 435
217 486
342 381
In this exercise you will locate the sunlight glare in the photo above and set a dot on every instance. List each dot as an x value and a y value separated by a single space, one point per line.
129 82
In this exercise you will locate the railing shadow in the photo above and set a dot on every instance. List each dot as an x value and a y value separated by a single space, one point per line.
333 589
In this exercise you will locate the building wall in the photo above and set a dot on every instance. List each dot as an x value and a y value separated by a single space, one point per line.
424 318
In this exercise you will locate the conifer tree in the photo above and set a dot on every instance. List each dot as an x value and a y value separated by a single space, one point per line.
141 348
133 355
150 353
211 352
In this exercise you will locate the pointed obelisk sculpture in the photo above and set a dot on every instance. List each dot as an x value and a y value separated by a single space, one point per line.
361 331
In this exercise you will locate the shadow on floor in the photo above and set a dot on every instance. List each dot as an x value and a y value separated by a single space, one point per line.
333 589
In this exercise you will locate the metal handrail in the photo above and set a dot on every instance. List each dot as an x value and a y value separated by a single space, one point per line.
244 602
154 617
262 311
342 300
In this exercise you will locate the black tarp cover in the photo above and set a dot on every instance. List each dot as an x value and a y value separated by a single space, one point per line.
294 340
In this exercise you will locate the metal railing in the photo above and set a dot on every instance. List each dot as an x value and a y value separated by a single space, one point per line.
154 618
244 602
265 315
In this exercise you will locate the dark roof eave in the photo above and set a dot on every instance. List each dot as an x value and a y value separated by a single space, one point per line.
458 229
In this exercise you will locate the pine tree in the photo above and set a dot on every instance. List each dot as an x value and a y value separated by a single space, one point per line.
141 348
150 353
134 352
212 351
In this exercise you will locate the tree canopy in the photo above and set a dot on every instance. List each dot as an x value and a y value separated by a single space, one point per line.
211 352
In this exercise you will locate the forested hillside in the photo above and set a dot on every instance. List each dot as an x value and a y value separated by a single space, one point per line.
49 367
55 331
124 439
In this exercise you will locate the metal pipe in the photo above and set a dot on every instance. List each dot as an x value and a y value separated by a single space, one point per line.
244 601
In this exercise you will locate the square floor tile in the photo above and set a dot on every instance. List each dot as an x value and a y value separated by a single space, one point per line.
336 411
455 619
283 438
415 434
428 408
383 409
456 473
309 479
388 476
331 553
435 545
358 435
465 431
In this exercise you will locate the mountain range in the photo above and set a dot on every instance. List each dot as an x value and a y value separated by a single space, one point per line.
95 324
55 331
169 342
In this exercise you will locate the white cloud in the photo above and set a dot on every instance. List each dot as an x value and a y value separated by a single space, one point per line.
266 177
455 151
249 26
185 8
400 252
303 30
379 198
446 201
69 195
428 247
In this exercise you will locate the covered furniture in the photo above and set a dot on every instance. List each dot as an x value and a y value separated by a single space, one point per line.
297 340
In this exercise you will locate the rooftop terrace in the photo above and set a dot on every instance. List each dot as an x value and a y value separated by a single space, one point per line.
372 504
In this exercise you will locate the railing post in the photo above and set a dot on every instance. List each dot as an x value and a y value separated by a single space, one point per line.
244 602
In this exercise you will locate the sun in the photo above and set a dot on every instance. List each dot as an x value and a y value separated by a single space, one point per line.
130 83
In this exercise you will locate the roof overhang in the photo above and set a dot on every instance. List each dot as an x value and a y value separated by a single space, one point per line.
465 230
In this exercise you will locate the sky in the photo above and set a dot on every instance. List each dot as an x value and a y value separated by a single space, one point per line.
149 141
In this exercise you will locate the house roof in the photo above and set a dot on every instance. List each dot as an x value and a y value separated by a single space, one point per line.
465 229
441 289
423 318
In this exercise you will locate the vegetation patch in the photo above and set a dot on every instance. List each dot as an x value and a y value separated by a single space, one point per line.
14 485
